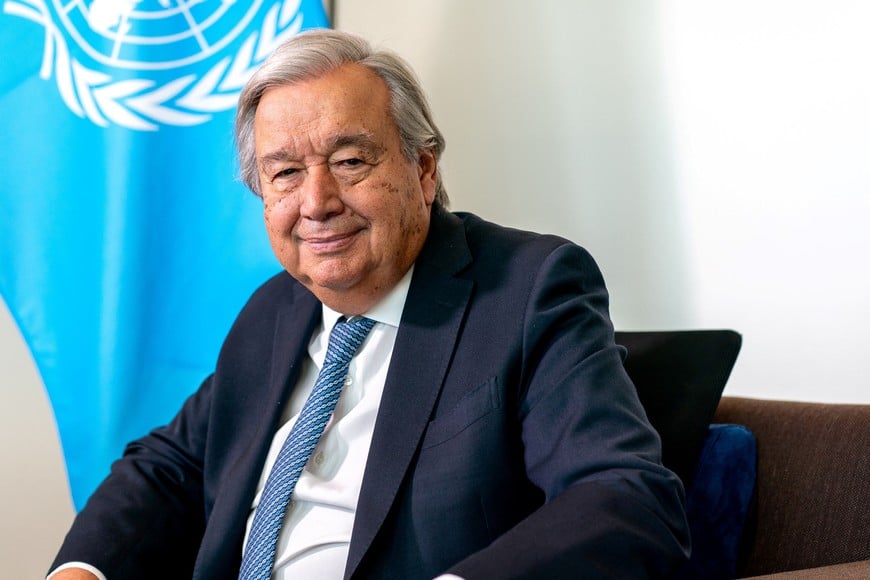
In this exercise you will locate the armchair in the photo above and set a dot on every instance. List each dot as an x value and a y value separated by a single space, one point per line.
775 489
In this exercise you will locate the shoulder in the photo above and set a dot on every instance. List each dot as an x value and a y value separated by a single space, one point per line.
491 243
278 294
273 291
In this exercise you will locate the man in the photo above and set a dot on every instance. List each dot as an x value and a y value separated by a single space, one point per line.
486 428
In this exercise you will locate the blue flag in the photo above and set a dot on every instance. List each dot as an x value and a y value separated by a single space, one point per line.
127 243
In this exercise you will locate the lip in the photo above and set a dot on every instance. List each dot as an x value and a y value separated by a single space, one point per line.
330 243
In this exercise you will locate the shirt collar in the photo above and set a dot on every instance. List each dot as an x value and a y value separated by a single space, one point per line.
388 310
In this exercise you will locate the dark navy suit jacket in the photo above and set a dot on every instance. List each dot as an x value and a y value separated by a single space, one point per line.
509 442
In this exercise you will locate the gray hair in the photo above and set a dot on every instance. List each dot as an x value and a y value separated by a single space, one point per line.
314 53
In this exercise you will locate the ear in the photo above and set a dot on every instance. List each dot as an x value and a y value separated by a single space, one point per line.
427 171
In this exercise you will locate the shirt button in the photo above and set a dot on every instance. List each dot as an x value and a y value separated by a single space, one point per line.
348 381
318 458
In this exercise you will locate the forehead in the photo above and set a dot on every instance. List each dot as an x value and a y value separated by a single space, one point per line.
349 100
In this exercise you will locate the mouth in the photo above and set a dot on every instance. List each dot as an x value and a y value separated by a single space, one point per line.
330 243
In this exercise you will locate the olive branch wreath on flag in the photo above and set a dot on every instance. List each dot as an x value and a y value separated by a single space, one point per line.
137 103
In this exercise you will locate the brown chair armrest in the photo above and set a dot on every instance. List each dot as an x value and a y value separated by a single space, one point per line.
813 505
850 571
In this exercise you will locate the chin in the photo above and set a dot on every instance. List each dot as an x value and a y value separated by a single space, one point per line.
329 273
336 282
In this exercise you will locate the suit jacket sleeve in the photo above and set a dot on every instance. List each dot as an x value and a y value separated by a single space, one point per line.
175 504
146 518
611 510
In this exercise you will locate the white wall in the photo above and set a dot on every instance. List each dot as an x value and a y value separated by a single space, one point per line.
714 157
35 503
770 104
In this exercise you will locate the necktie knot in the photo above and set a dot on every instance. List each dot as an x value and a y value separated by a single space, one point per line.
344 340
346 337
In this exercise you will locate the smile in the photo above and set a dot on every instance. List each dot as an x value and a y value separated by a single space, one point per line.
330 244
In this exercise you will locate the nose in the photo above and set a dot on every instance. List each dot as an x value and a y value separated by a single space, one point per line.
320 194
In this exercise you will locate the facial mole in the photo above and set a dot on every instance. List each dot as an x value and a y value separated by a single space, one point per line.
390 187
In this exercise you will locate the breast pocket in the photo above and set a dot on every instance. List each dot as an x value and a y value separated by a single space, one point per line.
474 406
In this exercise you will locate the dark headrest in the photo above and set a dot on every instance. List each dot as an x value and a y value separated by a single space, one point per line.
680 376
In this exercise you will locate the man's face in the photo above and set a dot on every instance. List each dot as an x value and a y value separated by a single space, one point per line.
345 210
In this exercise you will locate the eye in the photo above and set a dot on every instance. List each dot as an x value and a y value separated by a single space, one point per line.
285 179
352 162
287 172
351 169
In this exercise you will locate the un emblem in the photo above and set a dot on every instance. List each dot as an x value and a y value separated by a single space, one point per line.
140 64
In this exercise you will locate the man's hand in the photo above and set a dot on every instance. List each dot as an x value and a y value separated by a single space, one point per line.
73 574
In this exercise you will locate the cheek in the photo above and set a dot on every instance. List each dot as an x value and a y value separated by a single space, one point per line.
405 218
279 216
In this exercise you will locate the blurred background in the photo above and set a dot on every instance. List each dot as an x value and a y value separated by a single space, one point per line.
713 156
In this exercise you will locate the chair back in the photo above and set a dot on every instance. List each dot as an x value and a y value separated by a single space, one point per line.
680 376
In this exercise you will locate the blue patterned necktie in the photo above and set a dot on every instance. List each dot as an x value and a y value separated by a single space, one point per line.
259 554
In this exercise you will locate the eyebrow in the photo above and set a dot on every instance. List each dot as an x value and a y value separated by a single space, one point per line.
363 140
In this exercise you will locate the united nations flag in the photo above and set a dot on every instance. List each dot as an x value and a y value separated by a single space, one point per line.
127 244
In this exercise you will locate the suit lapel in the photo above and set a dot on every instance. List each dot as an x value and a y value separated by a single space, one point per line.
430 325
296 319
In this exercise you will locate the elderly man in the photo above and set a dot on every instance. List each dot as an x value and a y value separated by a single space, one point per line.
420 393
